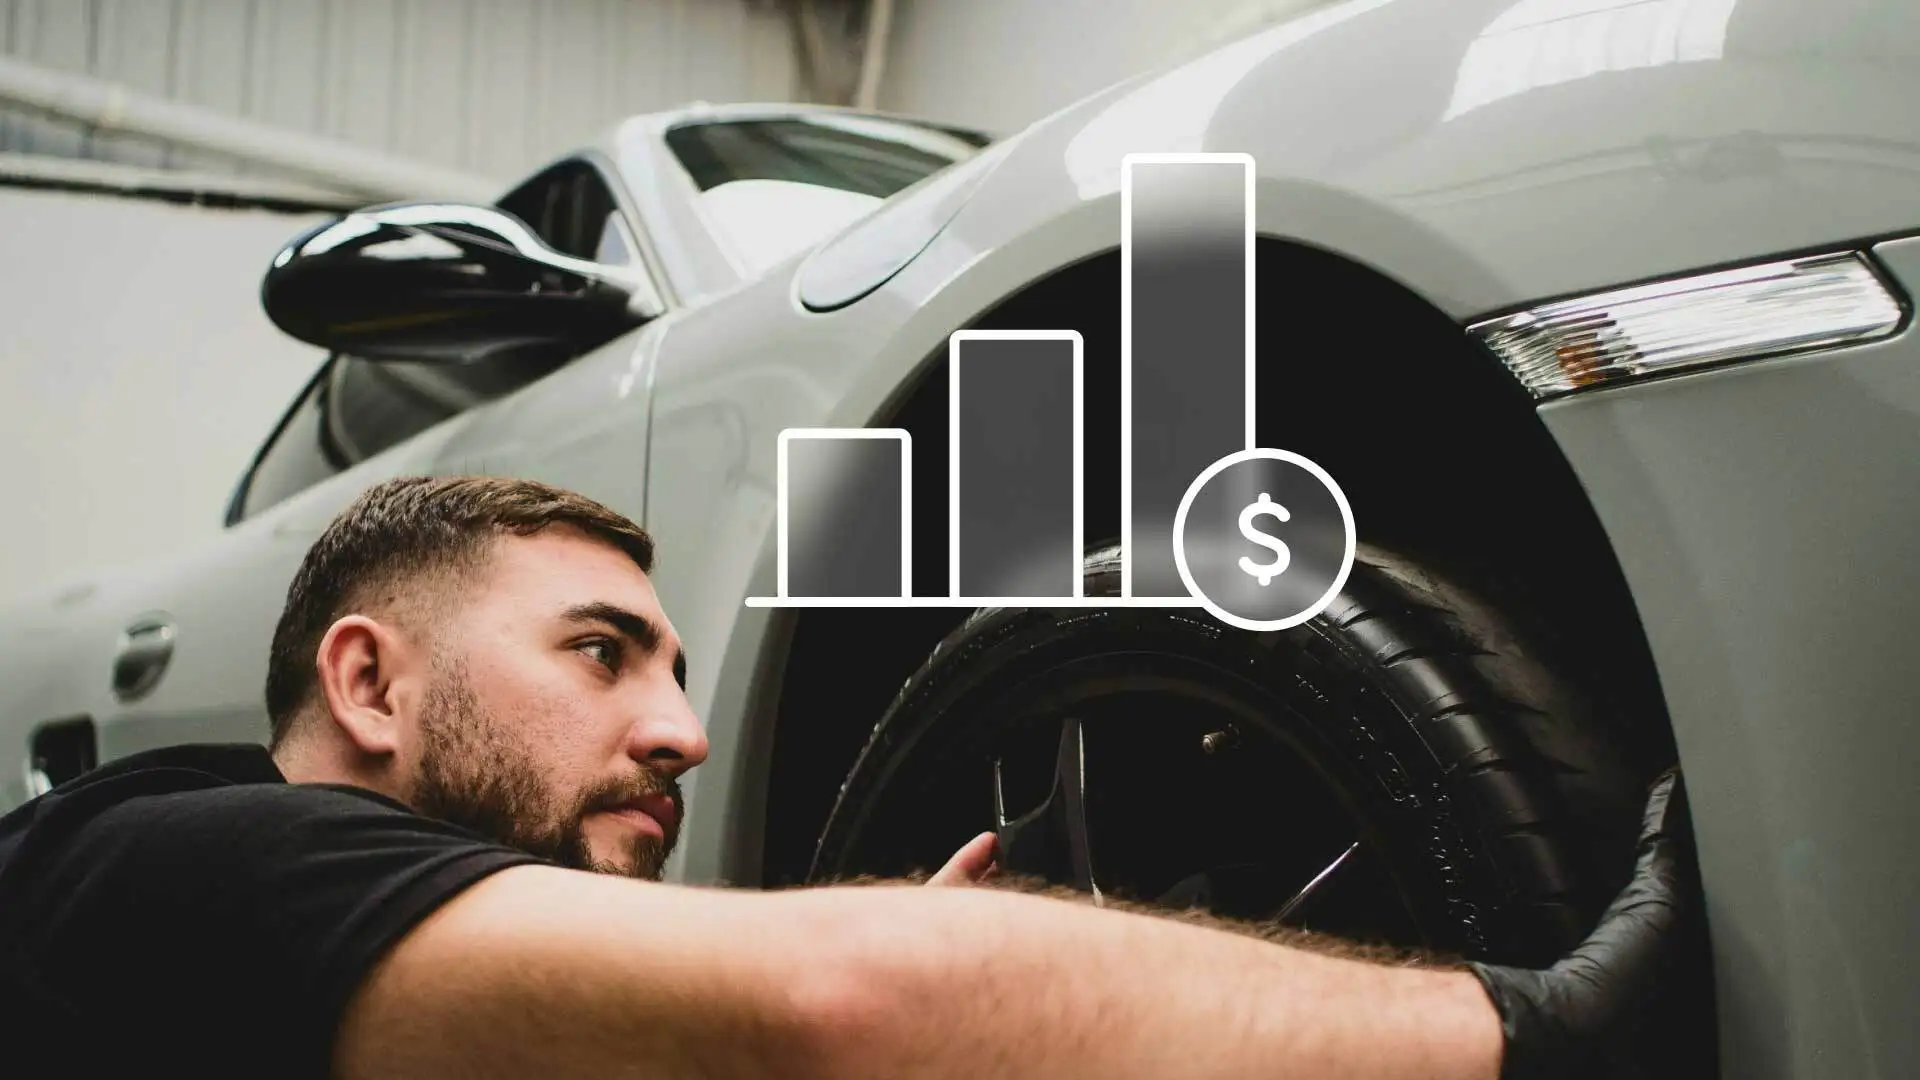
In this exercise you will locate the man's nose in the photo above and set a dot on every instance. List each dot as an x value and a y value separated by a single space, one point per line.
670 736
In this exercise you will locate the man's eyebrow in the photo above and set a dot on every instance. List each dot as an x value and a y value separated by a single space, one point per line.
637 628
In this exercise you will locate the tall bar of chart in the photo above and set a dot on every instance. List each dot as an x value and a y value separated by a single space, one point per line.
1260 538
1186 345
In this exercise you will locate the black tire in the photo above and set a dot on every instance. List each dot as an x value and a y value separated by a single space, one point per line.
1504 811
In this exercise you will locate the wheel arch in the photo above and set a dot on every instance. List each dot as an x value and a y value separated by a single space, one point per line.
1439 452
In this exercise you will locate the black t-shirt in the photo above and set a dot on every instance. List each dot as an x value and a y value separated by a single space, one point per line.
188 912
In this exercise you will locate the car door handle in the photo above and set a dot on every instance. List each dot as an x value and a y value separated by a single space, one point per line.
145 648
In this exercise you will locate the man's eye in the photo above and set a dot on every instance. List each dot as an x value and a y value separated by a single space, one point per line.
606 653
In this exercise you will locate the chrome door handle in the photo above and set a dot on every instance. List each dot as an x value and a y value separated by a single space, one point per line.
145 648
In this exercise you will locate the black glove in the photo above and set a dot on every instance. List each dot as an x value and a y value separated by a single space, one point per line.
1574 1017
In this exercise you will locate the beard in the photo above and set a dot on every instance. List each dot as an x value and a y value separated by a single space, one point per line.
475 775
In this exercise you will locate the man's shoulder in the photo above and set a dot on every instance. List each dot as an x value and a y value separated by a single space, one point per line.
185 796
168 887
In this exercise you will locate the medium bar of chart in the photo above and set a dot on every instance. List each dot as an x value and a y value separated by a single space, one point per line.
846 513
1186 346
1015 423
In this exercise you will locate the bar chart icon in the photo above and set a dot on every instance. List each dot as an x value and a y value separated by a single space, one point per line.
1015 505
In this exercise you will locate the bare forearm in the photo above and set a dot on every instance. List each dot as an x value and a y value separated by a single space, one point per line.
556 974
973 983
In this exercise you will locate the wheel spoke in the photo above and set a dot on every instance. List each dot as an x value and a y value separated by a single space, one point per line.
1070 779
1001 823
1319 879
1057 830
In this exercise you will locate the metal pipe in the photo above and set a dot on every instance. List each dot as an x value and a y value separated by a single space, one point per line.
873 59
83 174
331 162
816 56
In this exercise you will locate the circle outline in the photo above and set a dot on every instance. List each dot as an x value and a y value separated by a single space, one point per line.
1180 539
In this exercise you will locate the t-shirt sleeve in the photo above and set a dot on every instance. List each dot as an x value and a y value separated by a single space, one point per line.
244 918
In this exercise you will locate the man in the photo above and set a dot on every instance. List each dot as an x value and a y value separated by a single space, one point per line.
445 866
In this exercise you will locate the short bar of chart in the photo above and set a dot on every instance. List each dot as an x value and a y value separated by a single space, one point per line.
1015 498
845 513
1187 322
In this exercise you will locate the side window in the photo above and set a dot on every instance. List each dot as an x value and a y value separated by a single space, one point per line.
371 406
615 244
357 408
570 207
294 458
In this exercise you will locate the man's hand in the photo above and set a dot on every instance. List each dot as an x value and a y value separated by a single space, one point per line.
1572 1015
971 865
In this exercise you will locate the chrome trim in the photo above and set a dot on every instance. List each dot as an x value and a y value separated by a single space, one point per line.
649 300
650 264
1688 323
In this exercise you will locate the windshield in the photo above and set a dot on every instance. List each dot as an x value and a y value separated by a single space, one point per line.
770 188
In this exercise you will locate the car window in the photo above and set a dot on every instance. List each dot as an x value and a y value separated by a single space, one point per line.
356 408
293 459
571 208
774 187
370 406
615 245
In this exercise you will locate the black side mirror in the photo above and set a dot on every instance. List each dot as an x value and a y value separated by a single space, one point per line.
445 282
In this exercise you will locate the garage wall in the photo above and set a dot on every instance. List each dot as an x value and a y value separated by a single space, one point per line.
492 86
1001 64
137 375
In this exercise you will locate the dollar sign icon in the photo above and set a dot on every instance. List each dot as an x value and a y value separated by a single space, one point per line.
1264 572
1246 577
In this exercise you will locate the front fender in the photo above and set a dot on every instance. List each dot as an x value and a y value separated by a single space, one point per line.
1484 153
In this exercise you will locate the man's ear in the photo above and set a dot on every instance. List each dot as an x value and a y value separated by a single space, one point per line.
370 682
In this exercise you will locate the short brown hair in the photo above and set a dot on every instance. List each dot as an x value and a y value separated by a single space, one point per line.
399 541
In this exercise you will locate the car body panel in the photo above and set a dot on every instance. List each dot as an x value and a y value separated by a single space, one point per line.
1726 130
47 641
584 427
1765 517
1797 136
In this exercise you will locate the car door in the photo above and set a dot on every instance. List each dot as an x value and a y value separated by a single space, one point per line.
182 648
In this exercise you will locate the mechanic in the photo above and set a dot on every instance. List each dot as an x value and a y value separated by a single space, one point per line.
446 864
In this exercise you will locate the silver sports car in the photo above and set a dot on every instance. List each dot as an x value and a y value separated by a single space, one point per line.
1598 310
